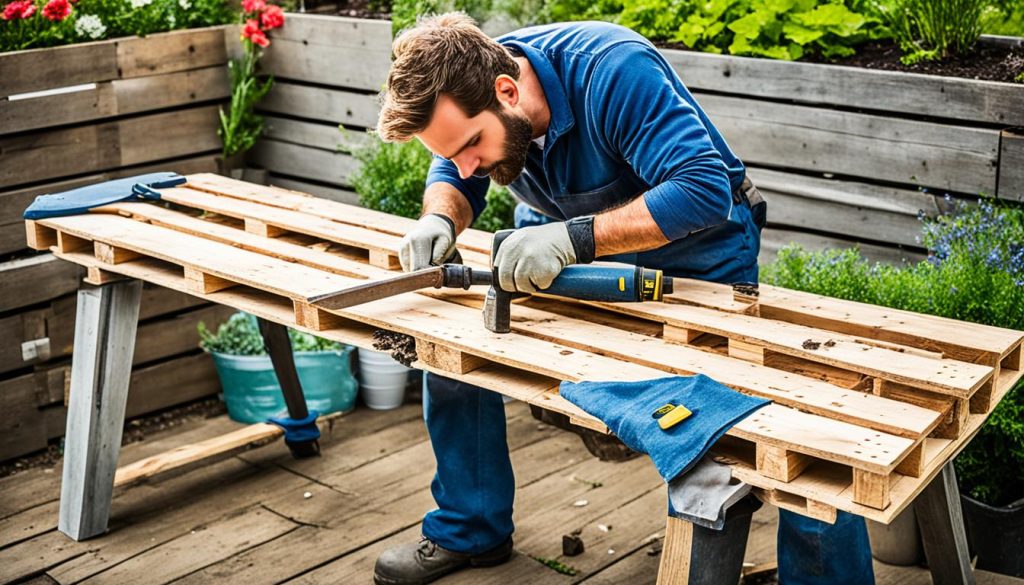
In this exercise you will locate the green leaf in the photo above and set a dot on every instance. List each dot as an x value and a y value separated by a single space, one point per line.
800 34
748 27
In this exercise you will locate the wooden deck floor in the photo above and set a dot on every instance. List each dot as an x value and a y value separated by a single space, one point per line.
263 517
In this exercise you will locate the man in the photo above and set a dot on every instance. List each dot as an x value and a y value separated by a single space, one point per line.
613 158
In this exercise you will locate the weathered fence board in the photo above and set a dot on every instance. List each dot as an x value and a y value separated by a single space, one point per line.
1011 165
957 158
337 106
301 161
971 100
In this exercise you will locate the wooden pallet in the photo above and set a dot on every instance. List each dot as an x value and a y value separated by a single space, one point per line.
868 402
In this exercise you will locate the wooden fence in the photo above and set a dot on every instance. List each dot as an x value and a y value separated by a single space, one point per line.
80 114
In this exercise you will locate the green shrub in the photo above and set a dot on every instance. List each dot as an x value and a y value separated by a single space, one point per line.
975 272
392 178
930 29
240 335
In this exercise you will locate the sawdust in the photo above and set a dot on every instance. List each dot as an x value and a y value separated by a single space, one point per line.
401 347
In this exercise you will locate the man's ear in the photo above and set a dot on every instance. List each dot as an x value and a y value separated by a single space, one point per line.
507 90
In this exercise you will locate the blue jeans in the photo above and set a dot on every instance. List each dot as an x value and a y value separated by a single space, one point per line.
474 486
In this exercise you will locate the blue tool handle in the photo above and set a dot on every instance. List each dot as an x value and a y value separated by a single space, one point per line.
598 283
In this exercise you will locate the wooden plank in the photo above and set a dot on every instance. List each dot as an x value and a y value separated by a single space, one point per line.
300 161
775 238
325 136
343 52
854 210
675 553
942 530
337 106
957 158
105 332
177 50
17 330
1011 165
19 429
37 69
333 194
36 279
107 145
115 98
971 100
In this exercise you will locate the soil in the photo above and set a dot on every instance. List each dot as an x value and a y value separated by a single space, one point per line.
988 62
135 430
377 10
401 347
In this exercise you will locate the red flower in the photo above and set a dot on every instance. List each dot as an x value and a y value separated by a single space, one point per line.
57 10
251 27
18 9
253 5
260 39
272 17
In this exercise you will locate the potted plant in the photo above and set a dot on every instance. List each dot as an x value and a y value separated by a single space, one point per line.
250 387
240 126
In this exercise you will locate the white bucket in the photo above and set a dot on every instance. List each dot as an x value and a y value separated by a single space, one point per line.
382 380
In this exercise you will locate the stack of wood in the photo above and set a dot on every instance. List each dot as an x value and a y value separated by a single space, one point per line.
869 403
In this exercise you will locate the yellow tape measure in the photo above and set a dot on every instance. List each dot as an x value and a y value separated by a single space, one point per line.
670 415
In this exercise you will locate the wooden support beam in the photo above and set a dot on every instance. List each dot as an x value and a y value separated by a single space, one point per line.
746 351
69 243
446 358
113 254
261 228
316 318
981 400
1013 360
780 464
203 282
679 334
913 464
871 489
384 259
674 568
39 237
98 276
101 365
942 530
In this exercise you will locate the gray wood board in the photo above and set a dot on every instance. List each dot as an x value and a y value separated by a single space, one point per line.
339 195
971 100
304 162
956 158
36 279
108 145
335 106
1011 166
55 67
857 210
323 136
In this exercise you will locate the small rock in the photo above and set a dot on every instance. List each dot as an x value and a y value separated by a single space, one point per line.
580 503
307 495
811 344
572 545
611 551
603 527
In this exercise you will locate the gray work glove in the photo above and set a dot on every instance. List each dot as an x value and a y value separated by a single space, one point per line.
531 257
431 242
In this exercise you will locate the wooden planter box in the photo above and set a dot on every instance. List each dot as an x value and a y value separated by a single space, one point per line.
882 136
132 105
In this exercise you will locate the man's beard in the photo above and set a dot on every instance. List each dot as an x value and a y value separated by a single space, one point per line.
518 133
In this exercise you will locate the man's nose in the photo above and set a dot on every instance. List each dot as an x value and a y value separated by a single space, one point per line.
467 165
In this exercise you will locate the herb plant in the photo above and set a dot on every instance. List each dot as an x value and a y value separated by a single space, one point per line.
932 29
240 335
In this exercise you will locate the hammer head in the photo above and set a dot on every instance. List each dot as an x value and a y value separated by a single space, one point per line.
498 302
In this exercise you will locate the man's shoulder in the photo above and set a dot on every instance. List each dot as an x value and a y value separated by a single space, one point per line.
577 37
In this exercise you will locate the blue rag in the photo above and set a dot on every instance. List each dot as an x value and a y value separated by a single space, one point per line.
298 430
627 409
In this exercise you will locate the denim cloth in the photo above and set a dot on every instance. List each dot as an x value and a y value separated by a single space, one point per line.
627 407
622 124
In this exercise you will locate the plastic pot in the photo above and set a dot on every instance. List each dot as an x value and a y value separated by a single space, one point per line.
382 380
996 535
252 393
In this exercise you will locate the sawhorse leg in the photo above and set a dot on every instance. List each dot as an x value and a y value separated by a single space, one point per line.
101 365
942 530
694 555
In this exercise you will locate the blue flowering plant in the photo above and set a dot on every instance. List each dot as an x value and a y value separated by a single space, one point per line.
974 272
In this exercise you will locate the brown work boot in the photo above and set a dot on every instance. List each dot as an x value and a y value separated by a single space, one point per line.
419 564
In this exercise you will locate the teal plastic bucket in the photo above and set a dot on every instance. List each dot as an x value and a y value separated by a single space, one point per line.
252 393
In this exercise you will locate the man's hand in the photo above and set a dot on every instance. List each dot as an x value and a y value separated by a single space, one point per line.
531 257
430 242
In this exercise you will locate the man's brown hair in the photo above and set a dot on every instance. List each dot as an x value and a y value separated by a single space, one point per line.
444 54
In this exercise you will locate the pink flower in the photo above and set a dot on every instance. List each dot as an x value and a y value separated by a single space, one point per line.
253 5
272 17
57 10
18 9
251 27
260 39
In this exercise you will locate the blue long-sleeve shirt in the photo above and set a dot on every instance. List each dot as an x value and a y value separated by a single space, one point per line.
622 124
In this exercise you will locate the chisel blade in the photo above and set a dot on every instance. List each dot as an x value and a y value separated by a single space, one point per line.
379 289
